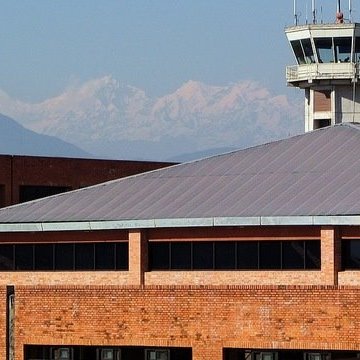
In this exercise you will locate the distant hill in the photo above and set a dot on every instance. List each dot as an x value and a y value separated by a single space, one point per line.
16 140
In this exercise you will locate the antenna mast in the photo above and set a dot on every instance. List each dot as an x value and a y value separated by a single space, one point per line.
350 11
313 11
295 14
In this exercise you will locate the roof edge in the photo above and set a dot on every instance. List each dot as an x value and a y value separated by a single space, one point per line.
351 220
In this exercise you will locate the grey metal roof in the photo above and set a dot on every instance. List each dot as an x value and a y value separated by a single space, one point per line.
316 174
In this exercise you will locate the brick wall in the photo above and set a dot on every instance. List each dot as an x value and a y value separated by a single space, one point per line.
206 318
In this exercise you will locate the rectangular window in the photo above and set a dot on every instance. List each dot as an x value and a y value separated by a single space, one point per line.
30 192
324 49
180 255
293 255
232 255
308 51
24 257
298 51
203 255
312 255
44 256
269 255
2 195
159 255
247 255
105 256
351 254
342 49
122 256
225 255
84 257
64 256
6 257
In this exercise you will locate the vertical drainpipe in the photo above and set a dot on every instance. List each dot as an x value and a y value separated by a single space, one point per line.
10 322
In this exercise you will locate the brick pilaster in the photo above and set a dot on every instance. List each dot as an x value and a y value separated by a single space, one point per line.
138 254
330 255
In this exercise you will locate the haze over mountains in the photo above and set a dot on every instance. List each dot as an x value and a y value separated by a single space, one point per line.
110 119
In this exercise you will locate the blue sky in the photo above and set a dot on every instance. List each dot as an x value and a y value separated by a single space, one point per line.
156 45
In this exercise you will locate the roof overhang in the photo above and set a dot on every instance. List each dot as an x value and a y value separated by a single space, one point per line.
350 220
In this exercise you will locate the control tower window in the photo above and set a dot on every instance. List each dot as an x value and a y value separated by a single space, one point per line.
298 51
324 49
343 49
357 49
308 51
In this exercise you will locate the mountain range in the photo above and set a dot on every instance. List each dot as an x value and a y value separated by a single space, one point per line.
110 119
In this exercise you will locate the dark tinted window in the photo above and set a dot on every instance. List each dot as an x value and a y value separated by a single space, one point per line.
122 256
159 258
312 254
351 254
24 257
225 255
180 255
105 256
64 256
84 256
298 51
203 255
44 257
6 257
269 255
293 255
247 255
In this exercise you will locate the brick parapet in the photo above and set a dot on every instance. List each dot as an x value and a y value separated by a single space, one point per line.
201 317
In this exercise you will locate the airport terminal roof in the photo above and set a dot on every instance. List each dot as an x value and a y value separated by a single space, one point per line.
313 178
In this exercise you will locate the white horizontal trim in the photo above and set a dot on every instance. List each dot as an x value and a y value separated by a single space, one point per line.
181 222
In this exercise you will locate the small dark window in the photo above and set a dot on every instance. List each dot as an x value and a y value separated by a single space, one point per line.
308 51
180 255
6 257
24 257
269 255
105 256
30 192
298 51
64 256
2 196
122 256
312 254
84 256
203 255
225 255
44 257
159 255
351 254
247 255
293 255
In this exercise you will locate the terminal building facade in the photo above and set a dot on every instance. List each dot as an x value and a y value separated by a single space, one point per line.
250 255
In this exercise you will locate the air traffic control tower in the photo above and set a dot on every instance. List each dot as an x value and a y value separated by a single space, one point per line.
328 62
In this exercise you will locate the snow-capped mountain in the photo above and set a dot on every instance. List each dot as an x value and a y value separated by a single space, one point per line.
108 118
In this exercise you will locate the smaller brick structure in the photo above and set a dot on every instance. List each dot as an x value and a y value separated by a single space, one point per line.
24 178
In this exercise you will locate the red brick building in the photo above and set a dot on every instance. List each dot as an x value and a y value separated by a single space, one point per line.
248 255
24 178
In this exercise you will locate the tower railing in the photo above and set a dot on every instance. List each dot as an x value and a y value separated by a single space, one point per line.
309 72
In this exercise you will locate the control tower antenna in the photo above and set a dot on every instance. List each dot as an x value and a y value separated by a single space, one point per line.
295 14
350 11
313 11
